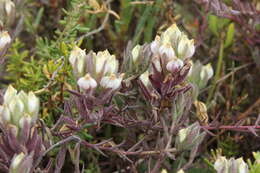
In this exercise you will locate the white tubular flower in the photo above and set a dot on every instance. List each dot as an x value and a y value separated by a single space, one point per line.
87 82
186 47
5 39
155 45
174 65
206 72
15 163
167 50
105 62
135 53
77 60
111 81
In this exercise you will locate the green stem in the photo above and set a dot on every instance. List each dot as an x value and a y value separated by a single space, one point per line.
217 74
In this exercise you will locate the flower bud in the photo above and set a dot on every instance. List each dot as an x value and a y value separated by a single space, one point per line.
174 65
9 7
186 47
105 62
16 107
5 39
111 81
180 171
172 35
221 165
164 171
183 133
145 78
87 82
33 104
136 53
16 162
7 12
9 94
77 60
206 72
167 50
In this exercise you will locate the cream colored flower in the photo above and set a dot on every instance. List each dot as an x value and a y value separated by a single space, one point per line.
136 53
186 47
77 59
87 82
166 49
174 65
111 81
221 165
206 72
171 35
105 62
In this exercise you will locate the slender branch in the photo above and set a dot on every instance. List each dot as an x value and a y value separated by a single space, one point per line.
231 127
102 26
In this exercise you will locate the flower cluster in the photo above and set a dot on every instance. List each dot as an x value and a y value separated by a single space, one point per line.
95 69
169 64
173 46
157 71
20 143
224 165
19 108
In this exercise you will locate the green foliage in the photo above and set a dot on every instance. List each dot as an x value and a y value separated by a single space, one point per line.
255 166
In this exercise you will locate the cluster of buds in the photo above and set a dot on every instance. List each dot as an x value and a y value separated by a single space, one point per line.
7 13
95 69
189 137
19 109
20 143
224 165
171 49
5 40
